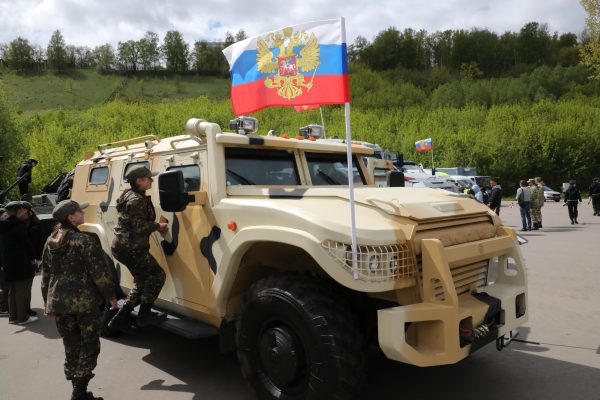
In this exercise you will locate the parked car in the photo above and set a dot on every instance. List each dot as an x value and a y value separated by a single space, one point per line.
550 194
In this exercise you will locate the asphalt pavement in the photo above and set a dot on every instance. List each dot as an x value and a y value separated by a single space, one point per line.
563 265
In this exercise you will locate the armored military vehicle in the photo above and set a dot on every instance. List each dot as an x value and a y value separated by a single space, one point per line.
259 252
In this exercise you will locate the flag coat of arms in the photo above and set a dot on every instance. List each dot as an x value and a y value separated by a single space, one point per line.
299 65
424 144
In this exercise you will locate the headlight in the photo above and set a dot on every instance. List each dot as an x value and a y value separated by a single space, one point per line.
375 263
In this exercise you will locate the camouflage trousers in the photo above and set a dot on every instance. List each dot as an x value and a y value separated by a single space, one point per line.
81 337
536 215
148 276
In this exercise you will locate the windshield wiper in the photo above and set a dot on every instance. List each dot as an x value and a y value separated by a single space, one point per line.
328 178
240 178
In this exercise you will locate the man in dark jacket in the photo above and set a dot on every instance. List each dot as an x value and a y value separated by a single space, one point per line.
495 196
594 193
24 171
18 258
572 199
75 283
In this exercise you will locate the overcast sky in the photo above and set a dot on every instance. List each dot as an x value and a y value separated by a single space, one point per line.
92 23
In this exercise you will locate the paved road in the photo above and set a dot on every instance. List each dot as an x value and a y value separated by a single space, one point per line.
564 295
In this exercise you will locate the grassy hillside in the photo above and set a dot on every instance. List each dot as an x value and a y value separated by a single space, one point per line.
81 89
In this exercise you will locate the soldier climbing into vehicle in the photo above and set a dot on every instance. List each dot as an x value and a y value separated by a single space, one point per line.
131 247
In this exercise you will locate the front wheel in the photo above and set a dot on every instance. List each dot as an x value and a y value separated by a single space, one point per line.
297 340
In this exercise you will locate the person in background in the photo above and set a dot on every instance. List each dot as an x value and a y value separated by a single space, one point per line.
536 215
572 199
3 284
524 201
18 260
25 171
541 199
34 232
76 282
495 196
594 193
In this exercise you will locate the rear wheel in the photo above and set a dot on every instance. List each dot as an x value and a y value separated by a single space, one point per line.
297 340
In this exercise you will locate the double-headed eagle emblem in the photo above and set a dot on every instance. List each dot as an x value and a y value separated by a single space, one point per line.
289 68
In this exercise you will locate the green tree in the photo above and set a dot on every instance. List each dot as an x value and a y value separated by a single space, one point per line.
20 54
128 55
176 52
385 51
240 35
590 51
207 58
104 57
356 49
149 51
57 52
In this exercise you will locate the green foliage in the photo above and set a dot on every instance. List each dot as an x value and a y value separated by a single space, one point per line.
57 52
543 123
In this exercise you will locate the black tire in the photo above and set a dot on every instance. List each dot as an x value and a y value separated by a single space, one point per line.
297 339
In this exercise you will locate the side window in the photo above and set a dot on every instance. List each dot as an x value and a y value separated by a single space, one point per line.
332 169
191 176
260 167
98 176
129 166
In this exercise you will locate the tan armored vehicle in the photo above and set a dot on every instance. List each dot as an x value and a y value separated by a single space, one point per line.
259 253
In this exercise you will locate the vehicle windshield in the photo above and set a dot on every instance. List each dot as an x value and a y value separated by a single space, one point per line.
483 181
332 169
547 189
260 167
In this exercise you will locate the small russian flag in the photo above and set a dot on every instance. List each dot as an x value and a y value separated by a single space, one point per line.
424 144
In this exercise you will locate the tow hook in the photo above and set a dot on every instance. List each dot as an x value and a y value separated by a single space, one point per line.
506 339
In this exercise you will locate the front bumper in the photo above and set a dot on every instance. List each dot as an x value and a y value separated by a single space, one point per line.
427 333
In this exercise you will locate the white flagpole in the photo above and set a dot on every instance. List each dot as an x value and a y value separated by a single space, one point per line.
350 177
351 189
432 164
323 122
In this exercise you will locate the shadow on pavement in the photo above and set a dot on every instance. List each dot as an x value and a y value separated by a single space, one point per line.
514 373
44 326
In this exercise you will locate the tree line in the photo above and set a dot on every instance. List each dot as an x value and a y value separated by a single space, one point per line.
461 53
146 54
471 53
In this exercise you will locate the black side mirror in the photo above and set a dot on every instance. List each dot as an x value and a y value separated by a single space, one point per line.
171 191
395 179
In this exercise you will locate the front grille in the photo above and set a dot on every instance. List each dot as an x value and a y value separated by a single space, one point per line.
466 278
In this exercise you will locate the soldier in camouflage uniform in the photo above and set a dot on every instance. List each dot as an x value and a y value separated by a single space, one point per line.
535 204
131 247
541 199
75 283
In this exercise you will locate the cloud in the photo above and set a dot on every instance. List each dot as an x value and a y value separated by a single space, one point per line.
92 23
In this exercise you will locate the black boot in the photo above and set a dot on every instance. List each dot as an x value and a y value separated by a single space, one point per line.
120 322
535 226
147 317
540 224
80 390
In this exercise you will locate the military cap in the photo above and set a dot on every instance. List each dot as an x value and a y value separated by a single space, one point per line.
139 172
596 179
14 205
67 207
572 182
33 160
26 204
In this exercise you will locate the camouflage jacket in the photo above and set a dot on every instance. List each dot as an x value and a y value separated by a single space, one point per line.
136 221
541 197
535 196
75 276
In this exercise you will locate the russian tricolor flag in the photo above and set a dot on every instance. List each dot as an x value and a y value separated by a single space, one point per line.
299 65
424 144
